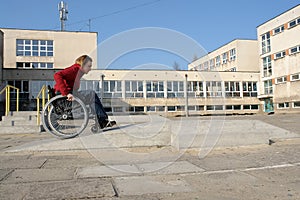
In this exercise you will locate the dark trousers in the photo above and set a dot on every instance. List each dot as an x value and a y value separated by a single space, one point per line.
90 98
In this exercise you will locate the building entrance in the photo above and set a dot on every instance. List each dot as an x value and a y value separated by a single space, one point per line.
268 105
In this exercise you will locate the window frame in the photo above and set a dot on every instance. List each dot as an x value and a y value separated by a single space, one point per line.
286 105
278 30
279 55
232 55
224 58
281 80
266 43
267 66
293 78
232 89
34 48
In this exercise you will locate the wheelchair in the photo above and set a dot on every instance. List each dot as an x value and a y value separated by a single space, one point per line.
66 119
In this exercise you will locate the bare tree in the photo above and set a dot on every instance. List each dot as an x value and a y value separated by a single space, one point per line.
176 66
195 57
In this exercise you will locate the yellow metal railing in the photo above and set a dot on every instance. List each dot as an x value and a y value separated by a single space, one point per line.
7 98
43 93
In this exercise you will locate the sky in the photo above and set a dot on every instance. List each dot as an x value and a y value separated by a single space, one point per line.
209 24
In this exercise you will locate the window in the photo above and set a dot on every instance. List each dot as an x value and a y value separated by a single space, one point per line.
232 89
267 65
266 43
295 77
224 58
90 85
171 108
195 108
213 89
205 66
294 50
134 89
279 55
282 79
180 108
296 104
155 89
112 89
268 88
250 107
135 109
195 89
212 64
233 69
233 107
34 65
23 87
117 109
175 89
150 108
160 108
218 61
214 107
34 47
292 23
36 86
278 30
232 53
283 105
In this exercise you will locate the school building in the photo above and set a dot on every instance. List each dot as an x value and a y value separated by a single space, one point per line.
241 77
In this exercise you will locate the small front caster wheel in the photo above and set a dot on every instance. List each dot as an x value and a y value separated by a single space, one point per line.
95 129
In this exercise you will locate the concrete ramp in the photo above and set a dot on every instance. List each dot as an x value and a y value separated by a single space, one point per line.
153 130
132 131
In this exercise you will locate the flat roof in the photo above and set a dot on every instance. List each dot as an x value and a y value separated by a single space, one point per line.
48 30
278 15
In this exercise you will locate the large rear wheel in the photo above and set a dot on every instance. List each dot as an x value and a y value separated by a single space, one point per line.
63 118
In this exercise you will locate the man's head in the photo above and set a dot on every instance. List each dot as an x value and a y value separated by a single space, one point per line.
85 62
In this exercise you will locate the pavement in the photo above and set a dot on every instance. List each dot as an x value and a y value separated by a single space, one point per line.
152 157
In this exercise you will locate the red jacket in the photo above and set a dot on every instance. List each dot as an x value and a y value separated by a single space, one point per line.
68 79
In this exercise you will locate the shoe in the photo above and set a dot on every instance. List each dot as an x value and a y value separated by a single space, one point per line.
106 123
111 124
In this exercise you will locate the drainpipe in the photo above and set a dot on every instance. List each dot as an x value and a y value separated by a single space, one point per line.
186 96
102 87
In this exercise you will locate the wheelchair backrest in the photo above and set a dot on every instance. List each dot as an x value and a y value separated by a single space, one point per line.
51 91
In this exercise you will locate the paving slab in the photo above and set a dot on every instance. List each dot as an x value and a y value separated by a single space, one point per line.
4 173
68 163
21 162
14 191
150 185
74 189
179 167
107 171
39 175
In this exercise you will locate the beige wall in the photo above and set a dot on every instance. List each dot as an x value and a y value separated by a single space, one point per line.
67 46
290 64
1 57
246 56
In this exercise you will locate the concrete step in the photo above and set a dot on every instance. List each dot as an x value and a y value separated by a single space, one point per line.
19 129
22 113
13 122
19 122
19 118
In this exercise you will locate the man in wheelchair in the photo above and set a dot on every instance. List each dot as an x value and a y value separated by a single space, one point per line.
68 83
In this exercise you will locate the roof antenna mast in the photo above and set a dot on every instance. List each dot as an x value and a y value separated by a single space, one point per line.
63 14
